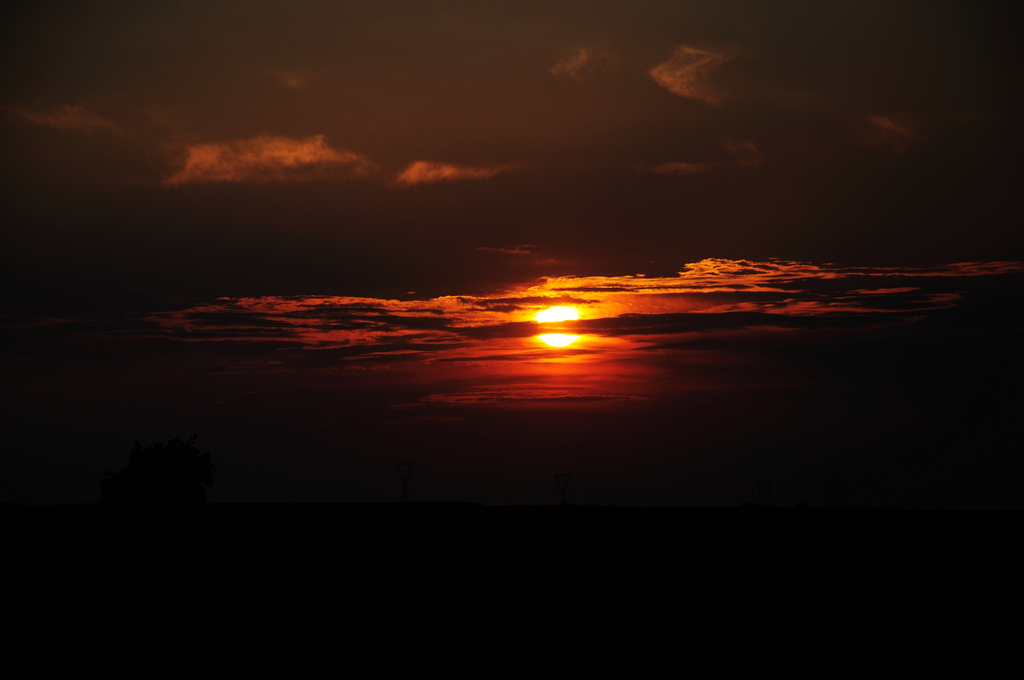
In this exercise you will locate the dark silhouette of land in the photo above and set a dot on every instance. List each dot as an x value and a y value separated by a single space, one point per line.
772 546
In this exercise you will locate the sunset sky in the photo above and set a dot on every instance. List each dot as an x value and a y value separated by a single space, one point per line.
318 234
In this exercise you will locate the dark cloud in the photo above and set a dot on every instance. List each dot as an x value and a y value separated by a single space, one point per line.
525 249
896 133
744 155
513 396
71 117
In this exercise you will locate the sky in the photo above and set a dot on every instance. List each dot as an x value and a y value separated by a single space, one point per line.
318 234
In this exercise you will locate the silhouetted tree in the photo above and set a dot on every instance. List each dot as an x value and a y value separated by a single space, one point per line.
175 474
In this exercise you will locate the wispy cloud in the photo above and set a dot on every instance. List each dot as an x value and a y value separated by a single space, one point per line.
512 395
896 133
267 159
525 249
428 172
682 168
744 155
686 74
889 125
526 255
584 61
69 117
293 80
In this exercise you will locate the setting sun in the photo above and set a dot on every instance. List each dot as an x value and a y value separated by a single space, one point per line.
557 314
559 339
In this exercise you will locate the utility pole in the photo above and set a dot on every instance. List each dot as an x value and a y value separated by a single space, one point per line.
404 469
562 482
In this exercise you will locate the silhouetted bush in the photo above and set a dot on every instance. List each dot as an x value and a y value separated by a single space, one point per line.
175 474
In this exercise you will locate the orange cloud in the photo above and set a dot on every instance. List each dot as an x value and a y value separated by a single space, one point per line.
487 353
267 159
686 74
583 60
427 172
682 168
523 394
70 117
496 326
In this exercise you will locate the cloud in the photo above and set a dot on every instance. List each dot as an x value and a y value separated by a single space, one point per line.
682 168
744 154
895 133
293 80
891 126
70 117
524 395
267 159
525 249
584 61
709 295
428 172
686 74
527 255
486 351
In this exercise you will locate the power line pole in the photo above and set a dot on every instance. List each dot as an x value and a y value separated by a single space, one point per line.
404 470
562 482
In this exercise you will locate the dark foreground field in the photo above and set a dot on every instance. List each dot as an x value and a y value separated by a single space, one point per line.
720 543
722 574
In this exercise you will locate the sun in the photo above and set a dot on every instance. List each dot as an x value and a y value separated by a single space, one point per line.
559 339
552 314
